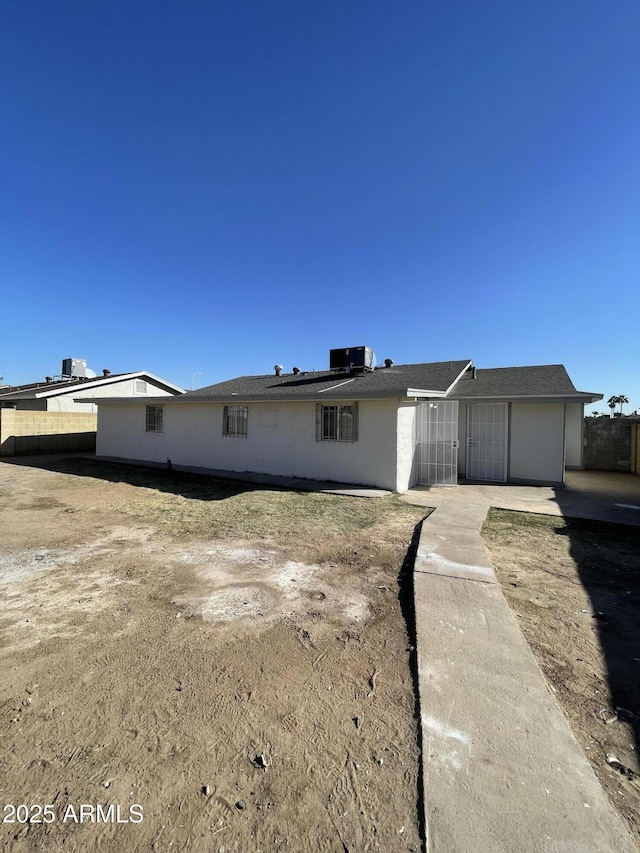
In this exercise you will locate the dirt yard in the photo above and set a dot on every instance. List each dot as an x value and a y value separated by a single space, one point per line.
574 587
188 665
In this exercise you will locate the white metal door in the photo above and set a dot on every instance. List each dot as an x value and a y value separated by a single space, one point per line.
437 443
487 433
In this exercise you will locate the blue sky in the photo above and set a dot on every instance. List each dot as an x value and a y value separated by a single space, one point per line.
215 187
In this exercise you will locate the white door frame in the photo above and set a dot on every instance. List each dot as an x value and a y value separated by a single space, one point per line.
487 441
437 443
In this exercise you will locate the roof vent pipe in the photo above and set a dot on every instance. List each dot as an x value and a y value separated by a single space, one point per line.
388 362
106 372
474 372
296 370
48 379
278 369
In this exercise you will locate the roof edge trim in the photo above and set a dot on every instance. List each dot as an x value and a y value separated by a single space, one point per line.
423 392
460 375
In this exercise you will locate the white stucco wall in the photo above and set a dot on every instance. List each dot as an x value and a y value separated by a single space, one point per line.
537 442
121 388
281 440
406 446
574 435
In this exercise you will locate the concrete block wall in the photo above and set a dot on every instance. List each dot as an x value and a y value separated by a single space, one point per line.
608 444
25 432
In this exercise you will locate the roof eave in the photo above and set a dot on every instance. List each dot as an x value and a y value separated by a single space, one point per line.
423 392
316 396
578 397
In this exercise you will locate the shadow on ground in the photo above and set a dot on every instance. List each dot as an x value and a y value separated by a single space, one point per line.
197 486
407 605
607 557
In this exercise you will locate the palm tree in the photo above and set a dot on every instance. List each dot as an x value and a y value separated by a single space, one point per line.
621 400
612 402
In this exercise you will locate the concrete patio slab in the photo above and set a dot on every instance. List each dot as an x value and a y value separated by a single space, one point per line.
596 495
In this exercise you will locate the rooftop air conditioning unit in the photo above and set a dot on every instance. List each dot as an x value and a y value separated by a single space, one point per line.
352 358
74 367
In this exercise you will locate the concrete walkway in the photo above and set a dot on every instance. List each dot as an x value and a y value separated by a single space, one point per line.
501 768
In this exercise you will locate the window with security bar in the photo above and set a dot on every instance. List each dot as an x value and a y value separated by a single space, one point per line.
337 422
154 421
236 421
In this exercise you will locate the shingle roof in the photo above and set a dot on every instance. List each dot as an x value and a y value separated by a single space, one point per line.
543 380
382 382
451 378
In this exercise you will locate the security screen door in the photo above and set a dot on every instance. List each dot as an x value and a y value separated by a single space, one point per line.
437 443
487 430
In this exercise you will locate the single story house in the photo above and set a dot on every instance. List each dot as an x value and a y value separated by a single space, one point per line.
392 427
60 414
78 393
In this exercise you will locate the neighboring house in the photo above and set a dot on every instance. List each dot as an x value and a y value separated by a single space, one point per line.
390 427
77 394
61 415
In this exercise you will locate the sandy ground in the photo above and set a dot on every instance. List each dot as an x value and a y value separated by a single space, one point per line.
174 687
574 587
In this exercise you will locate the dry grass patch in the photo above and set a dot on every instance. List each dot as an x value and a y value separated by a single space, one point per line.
574 586
309 525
